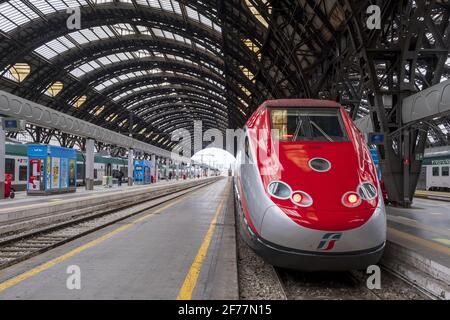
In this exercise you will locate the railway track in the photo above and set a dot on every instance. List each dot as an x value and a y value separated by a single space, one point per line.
260 280
17 248
346 285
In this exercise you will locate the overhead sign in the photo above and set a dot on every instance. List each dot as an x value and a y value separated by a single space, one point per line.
11 124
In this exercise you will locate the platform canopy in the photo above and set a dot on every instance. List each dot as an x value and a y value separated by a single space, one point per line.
148 67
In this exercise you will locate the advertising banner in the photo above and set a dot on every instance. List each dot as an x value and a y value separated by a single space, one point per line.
55 172
48 173
72 175
64 173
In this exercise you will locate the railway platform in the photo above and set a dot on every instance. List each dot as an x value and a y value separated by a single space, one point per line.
26 212
22 199
419 243
184 248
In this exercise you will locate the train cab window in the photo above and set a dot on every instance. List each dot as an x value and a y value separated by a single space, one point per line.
435 171
10 167
445 171
22 173
308 124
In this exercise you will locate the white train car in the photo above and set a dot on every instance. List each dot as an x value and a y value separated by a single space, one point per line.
435 174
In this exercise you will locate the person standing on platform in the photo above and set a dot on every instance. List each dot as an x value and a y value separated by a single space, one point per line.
119 177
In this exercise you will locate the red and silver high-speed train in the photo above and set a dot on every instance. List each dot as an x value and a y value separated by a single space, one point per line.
306 188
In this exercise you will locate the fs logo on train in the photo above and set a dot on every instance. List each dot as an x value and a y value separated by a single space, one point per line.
329 240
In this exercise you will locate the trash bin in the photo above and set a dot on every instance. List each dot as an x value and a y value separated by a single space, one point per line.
9 191
110 181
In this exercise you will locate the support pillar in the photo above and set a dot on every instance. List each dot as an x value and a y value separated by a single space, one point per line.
89 172
130 166
406 168
154 169
2 162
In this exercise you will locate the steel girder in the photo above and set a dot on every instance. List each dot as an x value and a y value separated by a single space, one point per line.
324 49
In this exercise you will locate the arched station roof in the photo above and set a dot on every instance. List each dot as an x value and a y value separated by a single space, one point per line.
150 66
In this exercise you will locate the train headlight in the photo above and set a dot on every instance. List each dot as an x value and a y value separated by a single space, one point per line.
279 190
367 191
351 199
301 199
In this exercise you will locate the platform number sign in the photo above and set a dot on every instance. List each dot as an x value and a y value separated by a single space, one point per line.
13 125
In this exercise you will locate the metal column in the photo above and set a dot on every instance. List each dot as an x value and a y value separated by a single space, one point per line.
130 166
2 162
406 168
89 174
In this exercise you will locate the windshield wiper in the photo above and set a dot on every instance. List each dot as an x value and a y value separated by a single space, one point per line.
297 130
321 131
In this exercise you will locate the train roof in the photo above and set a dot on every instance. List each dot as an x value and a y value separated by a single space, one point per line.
292 103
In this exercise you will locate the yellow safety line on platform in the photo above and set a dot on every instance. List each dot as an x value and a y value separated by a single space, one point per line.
190 282
9 283
432 193
443 241
416 224
423 242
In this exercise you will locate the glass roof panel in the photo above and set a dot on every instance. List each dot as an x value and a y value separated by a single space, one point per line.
15 13
102 32
192 14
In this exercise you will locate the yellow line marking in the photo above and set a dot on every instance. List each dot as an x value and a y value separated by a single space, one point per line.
433 193
425 243
443 241
11 282
414 223
190 282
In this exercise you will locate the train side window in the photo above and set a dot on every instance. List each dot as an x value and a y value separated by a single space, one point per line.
22 173
445 171
10 167
435 171
95 173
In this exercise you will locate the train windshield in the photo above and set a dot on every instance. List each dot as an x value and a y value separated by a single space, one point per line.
308 124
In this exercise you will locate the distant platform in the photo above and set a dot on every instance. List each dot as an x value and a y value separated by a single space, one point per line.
424 227
24 201
435 195
420 236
